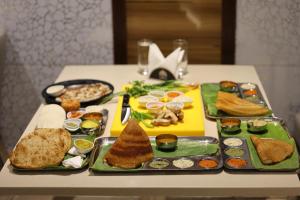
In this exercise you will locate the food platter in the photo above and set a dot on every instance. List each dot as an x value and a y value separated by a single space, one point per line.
73 84
237 150
276 130
84 132
209 96
191 156
61 167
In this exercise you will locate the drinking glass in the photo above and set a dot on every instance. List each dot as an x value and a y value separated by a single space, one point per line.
142 55
183 59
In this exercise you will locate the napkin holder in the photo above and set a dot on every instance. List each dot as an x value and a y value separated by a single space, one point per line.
162 74
160 67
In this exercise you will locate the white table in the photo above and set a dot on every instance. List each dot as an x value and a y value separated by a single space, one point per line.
83 183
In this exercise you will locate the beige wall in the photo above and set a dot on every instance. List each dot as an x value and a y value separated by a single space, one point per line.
268 36
38 38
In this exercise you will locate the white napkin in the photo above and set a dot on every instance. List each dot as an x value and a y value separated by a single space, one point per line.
73 151
75 162
156 59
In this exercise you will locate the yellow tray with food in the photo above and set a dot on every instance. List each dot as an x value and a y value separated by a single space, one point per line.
171 107
51 149
135 151
257 144
230 99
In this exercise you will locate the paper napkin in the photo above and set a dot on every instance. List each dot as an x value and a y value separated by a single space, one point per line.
157 60
75 162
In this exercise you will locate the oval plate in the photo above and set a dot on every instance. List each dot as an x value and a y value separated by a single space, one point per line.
50 99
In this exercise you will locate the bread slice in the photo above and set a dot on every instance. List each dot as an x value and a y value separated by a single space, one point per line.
42 148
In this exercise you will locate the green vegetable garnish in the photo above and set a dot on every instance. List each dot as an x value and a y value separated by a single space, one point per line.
110 97
139 88
141 117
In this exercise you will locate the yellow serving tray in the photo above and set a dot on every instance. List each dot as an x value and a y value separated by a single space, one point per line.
192 125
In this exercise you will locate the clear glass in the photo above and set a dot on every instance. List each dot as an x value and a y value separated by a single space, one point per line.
142 55
182 65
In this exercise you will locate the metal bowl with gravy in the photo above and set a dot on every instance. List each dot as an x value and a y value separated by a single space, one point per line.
230 125
92 116
166 142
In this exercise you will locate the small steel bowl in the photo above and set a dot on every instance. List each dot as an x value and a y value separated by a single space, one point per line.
92 116
81 149
254 126
90 130
166 142
228 86
72 125
231 125
250 93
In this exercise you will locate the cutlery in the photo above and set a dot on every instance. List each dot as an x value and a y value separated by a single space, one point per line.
126 110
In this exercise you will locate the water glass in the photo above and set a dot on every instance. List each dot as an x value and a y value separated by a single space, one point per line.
183 58
142 55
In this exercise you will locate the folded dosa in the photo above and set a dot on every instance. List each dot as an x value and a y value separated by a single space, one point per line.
272 151
236 106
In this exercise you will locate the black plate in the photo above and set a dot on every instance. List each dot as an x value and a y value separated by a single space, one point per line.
50 100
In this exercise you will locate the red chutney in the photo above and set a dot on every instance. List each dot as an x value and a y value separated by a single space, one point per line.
74 114
250 92
236 162
208 163
173 94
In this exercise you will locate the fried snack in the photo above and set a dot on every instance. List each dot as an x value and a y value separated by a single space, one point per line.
236 106
70 104
41 148
131 149
271 151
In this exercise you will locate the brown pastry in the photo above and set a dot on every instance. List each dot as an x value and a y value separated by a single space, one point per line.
131 149
236 106
70 104
272 151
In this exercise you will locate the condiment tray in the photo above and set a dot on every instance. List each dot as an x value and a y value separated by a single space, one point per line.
165 162
276 129
101 129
